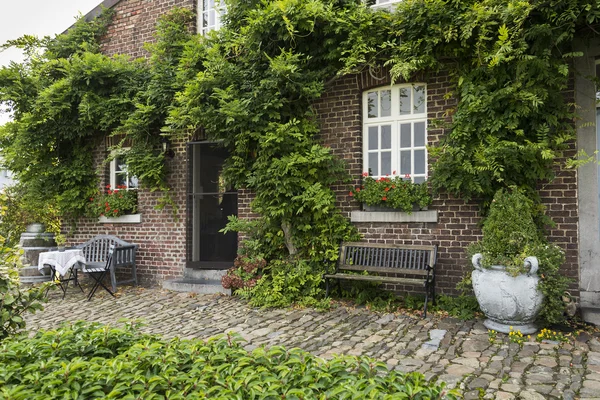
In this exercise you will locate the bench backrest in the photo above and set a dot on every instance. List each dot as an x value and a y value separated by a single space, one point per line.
95 250
387 258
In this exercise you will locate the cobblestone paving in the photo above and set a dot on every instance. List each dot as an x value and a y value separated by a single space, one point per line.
457 352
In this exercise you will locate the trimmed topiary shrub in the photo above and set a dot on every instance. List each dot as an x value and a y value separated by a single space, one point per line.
89 361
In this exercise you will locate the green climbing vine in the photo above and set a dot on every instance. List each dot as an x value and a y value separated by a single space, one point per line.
252 85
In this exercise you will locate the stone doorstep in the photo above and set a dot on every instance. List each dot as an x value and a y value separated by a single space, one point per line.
201 286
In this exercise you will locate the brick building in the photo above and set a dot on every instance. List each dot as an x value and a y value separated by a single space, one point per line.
172 246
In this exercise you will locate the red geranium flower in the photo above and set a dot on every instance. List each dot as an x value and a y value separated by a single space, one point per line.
350 194
384 198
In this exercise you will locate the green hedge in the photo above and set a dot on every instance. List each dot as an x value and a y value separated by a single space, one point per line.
88 361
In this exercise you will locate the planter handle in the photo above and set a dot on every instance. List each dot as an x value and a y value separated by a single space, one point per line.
531 262
476 260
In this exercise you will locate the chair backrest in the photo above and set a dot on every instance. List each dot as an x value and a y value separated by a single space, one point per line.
96 249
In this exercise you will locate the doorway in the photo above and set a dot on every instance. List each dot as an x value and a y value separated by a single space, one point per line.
210 201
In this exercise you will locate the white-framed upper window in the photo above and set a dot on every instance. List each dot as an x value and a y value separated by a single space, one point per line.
395 131
382 3
120 178
210 15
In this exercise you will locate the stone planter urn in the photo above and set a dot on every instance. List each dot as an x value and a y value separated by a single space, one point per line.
508 301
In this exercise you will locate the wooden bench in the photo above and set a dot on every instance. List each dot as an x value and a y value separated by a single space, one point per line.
95 251
415 263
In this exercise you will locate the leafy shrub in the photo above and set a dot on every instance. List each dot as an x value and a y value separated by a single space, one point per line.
114 203
246 271
395 192
14 301
93 361
511 233
287 282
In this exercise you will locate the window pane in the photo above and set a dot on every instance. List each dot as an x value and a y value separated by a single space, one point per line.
386 163
373 142
419 134
211 18
372 104
419 99
386 137
419 162
405 162
419 179
405 135
386 103
373 164
404 101
133 182
121 166
120 180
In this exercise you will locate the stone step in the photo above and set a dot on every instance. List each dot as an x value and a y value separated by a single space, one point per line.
202 286
204 274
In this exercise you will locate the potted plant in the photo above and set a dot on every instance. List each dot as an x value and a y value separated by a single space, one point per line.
395 192
60 240
511 262
113 203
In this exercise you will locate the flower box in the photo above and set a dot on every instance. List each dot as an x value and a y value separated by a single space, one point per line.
123 219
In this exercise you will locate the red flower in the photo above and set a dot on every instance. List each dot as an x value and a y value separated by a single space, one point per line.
110 192
394 172
384 198
365 174
407 176
106 204
116 211
357 189
91 199
108 186
350 194
387 189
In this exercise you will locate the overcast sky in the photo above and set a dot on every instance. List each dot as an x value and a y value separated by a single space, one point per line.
37 17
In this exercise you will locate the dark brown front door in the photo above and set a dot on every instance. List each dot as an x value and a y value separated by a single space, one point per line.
210 202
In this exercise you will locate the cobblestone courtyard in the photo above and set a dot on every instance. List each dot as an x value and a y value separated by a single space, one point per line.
457 352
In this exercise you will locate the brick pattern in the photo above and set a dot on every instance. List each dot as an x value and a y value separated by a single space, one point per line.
134 24
458 225
162 233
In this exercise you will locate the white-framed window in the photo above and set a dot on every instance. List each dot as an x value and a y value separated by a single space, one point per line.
210 15
395 131
382 3
120 178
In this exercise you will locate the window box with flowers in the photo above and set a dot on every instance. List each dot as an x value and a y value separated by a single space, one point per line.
397 196
115 206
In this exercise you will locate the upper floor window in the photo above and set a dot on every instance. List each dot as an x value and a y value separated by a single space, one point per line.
120 178
382 3
395 131
210 14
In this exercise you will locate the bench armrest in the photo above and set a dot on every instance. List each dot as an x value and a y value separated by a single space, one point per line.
124 255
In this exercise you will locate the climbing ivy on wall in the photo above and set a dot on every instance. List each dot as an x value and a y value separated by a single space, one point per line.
252 85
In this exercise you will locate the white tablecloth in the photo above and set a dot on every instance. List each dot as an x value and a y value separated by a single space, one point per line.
62 261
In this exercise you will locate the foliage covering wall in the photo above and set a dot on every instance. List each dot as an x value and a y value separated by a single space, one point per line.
252 84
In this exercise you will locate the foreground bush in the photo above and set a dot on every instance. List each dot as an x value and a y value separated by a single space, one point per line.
87 361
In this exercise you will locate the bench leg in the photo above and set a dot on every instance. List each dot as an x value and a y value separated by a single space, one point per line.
426 300
433 291
326 287
113 280
134 274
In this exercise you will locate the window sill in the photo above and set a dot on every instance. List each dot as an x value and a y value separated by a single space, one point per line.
123 219
394 216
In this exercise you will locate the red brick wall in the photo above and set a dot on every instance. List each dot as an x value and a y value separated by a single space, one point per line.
161 234
339 112
134 24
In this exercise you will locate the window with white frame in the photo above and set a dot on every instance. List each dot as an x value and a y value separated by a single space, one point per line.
382 3
395 131
210 15
120 178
